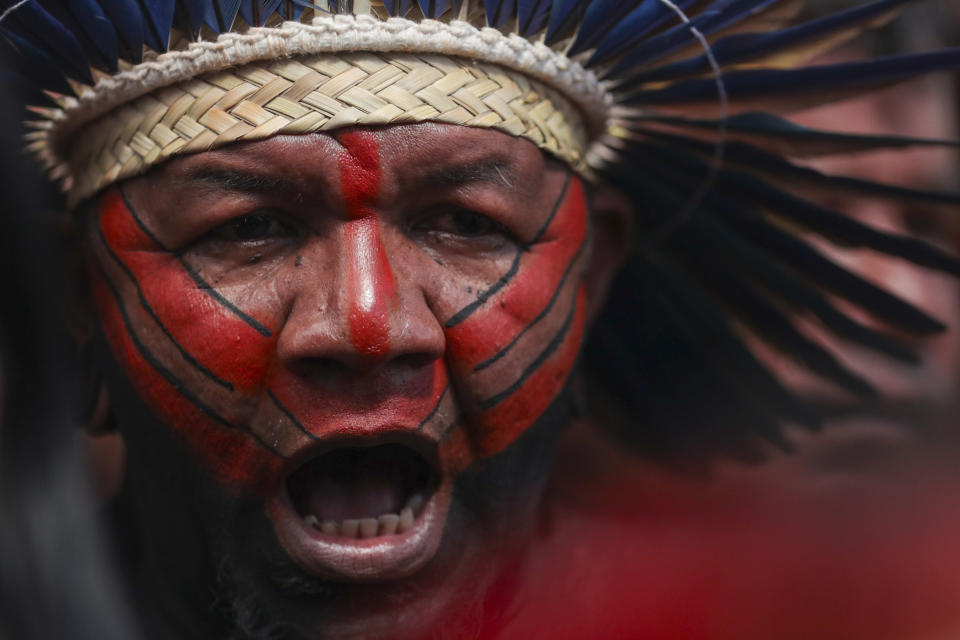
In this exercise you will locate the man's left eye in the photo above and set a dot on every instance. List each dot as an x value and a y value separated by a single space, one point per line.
466 224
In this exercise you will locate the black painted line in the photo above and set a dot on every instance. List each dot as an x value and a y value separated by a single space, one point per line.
149 309
216 295
548 351
168 375
140 223
543 314
556 208
289 414
483 297
197 278
433 411
481 300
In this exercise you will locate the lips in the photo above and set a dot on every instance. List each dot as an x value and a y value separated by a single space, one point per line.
363 511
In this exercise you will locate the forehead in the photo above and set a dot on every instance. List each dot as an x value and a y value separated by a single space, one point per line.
407 157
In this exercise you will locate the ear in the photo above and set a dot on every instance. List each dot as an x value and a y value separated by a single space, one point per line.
611 219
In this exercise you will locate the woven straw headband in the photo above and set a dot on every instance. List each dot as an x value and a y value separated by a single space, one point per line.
336 72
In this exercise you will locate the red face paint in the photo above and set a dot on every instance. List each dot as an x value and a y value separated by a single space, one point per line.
205 360
370 284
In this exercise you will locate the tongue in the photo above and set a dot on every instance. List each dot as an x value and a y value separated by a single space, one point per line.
356 483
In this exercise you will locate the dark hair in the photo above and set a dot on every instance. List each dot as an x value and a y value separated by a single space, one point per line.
56 580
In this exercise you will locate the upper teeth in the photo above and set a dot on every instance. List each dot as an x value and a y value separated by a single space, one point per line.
387 524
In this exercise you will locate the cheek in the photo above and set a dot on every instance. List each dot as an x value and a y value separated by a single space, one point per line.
197 359
511 356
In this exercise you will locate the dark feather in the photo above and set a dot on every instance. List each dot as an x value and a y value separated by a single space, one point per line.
157 21
750 46
36 25
775 134
532 16
813 85
631 30
499 11
127 21
86 20
720 15
564 19
601 16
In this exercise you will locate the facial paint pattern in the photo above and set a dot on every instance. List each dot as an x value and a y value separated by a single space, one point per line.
207 365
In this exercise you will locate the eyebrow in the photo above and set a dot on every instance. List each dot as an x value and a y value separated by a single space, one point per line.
229 180
495 171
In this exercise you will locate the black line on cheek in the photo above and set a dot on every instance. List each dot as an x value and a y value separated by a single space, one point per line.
556 208
543 314
203 284
216 295
168 375
468 310
140 223
146 306
483 297
548 351
289 414
435 409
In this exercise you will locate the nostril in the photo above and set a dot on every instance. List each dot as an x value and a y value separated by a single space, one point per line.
413 361
322 370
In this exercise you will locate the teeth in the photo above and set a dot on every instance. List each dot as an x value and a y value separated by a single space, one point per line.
385 525
350 528
368 527
415 503
406 520
388 524
330 528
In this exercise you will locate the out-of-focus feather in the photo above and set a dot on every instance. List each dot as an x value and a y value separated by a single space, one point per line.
35 24
785 90
565 17
601 16
805 39
86 20
532 16
779 135
127 22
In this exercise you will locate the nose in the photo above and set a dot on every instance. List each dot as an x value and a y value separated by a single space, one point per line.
353 315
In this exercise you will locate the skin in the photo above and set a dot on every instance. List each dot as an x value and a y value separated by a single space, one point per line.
263 303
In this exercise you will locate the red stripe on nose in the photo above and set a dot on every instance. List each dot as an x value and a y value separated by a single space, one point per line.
371 287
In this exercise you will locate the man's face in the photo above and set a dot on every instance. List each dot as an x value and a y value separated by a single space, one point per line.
345 330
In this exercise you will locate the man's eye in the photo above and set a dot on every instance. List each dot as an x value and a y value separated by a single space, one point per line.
465 223
253 227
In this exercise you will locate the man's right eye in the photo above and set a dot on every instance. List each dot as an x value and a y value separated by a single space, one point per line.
253 228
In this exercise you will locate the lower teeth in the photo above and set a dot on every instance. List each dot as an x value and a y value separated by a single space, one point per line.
385 525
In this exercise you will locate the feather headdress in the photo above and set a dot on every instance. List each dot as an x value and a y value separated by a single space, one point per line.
678 103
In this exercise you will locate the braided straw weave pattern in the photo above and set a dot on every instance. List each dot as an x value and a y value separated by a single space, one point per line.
318 93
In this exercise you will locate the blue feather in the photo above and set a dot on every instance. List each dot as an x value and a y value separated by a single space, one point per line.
257 12
499 11
645 19
751 45
157 20
37 25
127 21
603 15
532 16
191 15
720 15
565 17
847 76
42 70
85 19
433 8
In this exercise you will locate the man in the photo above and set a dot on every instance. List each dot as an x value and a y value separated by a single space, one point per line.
341 269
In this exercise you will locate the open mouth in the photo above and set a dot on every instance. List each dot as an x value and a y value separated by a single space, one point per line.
362 492
363 513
